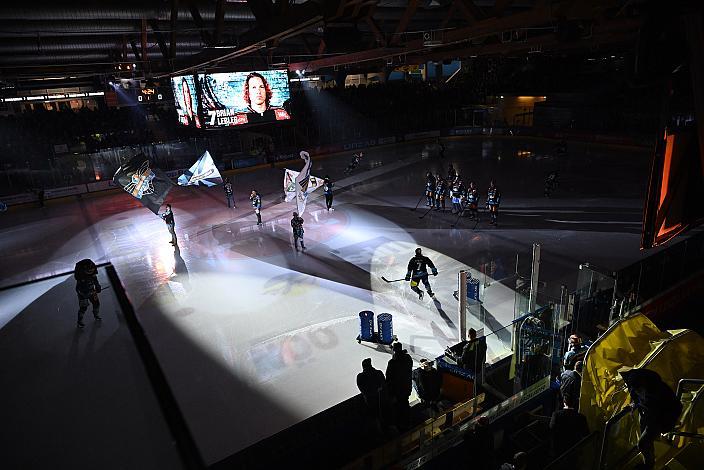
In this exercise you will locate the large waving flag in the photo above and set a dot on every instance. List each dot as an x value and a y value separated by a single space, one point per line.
302 183
290 184
148 184
202 172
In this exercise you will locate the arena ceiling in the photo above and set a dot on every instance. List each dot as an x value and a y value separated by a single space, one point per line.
71 41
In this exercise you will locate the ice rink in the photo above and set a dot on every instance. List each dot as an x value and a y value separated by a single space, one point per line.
254 336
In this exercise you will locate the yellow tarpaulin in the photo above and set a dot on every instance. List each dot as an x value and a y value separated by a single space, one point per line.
634 342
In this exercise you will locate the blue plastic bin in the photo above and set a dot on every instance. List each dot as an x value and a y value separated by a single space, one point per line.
385 327
366 325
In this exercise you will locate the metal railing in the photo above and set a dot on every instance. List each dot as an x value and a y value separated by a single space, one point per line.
605 438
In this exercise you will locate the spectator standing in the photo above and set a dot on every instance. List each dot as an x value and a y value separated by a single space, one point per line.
567 427
168 217
372 386
571 384
399 381
575 352
428 383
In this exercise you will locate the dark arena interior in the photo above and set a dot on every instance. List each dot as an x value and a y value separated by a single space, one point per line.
358 234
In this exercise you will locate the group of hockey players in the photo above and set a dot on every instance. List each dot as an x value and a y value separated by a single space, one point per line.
464 199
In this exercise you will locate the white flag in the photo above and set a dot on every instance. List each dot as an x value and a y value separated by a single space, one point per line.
202 172
302 181
290 184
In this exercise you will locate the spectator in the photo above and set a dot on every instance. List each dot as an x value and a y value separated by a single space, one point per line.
575 352
571 384
519 462
372 386
479 444
428 383
399 372
657 404
567 427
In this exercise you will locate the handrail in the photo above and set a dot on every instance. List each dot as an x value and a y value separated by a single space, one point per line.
557 461
682 382
46 278
185 443
613 420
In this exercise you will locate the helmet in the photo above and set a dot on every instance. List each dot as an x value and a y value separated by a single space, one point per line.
418 251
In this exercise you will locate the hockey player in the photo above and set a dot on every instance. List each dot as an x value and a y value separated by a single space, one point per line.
327 190
429 189
418 272
456 195
493 199
87 288
297 225
440 190
451 174
257 205
551 183
473 201
229 194
353 164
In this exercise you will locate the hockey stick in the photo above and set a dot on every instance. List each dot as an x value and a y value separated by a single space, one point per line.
426 213
458 219
421 198
402 279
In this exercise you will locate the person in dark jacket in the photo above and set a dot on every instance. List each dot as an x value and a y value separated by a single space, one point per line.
657 404
571 384
418 271
256 200
168 217
479 445
87 288
229 194
327 189
567 427
372 386
399 382
297 226
474 354
428 383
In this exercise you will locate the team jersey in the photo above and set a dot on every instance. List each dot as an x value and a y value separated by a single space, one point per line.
418 266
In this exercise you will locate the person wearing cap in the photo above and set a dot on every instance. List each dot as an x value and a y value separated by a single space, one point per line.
399 381
428 383
657 404
372 386
418 272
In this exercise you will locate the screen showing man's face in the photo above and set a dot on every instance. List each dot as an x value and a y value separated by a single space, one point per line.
257 94
187 98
